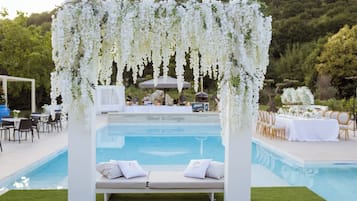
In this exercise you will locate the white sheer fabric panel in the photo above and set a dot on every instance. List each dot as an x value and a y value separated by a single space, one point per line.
110 99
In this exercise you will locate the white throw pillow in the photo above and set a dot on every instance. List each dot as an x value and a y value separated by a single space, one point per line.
215 170
110 169
197 168
131 169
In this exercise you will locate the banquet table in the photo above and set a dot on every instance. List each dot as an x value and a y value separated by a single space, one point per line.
157 109
309 129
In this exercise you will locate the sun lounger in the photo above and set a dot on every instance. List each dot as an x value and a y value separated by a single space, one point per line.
160 182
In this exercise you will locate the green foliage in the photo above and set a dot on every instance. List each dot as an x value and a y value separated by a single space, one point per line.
339 59
300 31
337 105
290 64
25 51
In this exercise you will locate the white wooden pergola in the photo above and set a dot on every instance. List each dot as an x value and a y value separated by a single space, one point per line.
5 79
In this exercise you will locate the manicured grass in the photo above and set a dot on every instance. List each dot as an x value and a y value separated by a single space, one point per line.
258 194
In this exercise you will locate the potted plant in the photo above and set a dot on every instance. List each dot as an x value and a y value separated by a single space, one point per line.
16 113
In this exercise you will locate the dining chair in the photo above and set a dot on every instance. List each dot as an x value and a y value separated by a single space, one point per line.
36 125
327 114
276 131
334 115
6 127
343 119
25 126
54 123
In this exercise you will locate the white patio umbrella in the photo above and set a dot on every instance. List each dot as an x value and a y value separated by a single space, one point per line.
163 83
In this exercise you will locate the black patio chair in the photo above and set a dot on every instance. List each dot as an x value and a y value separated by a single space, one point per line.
55 123
6 127
25 126
35 125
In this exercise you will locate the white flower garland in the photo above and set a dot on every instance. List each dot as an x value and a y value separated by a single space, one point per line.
227 41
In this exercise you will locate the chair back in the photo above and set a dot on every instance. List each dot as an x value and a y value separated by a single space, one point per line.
334 115
35 120
6 123
272 118
328 114
57 116
343 118
25 124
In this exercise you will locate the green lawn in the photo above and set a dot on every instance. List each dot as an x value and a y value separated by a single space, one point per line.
258 194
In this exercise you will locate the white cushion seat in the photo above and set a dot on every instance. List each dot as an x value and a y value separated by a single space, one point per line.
122 183
177 180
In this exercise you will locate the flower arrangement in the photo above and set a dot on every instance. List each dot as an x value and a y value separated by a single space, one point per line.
301 95
227 41
16 113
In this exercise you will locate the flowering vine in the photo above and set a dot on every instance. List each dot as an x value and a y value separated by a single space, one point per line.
226 41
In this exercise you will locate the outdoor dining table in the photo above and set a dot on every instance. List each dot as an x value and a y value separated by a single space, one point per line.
309 129
15 120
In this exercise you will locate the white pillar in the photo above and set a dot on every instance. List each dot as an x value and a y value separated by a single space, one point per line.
237 181
4 89
33 96
81 157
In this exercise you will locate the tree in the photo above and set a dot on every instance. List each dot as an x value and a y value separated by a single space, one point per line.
25 51
338 59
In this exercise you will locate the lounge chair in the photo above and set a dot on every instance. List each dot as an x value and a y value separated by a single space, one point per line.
159 182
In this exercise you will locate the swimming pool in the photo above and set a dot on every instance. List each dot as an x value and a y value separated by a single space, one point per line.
175 144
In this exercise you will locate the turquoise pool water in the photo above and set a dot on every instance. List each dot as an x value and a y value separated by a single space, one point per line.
176 145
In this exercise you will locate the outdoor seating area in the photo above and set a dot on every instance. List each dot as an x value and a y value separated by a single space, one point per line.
200 176
20 128
160 182
328 126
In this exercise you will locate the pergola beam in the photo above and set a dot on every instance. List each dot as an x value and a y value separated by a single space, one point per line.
6 78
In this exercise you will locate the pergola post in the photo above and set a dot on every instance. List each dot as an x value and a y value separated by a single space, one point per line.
33 96
4 89
238 165
81 156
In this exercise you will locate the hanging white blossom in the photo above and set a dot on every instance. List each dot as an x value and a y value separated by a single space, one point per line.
226 41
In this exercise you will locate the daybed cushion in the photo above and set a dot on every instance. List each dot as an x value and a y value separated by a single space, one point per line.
176 180
215 170
110 169
121 182
197 168
132 169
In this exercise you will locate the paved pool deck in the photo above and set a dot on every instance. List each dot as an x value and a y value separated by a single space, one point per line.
16 157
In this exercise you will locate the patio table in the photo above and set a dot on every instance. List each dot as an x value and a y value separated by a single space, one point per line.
15 120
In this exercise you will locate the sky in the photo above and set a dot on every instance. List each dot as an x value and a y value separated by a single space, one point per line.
28 6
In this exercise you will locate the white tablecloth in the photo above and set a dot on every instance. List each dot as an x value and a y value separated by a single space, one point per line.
303 129
157 109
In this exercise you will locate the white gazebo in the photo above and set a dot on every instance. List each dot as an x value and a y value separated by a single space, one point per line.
6 78
226 41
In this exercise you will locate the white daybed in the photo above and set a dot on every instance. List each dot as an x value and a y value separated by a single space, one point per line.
159 182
